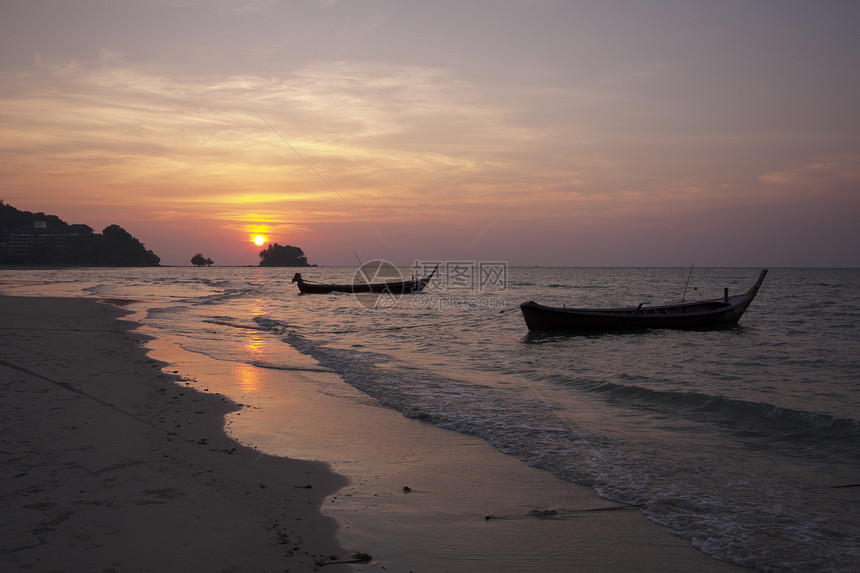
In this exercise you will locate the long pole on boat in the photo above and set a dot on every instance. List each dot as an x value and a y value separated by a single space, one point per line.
684 297
361 268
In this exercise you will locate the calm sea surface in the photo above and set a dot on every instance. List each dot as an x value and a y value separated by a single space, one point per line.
746 440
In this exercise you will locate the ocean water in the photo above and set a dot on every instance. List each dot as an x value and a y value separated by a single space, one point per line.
745 441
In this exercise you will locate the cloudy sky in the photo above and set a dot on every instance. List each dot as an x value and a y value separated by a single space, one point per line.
604 133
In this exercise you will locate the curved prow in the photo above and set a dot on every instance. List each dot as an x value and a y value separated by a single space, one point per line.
419 284
757 284
430 276
297 278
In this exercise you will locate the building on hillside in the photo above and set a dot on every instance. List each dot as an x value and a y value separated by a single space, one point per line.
41 243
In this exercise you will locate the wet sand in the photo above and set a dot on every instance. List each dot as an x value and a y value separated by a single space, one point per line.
111 464
425 499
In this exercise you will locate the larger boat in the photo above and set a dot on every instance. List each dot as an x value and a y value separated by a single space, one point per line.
715 313
392 287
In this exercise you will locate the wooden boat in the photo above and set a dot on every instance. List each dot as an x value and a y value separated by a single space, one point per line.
393 287
715 313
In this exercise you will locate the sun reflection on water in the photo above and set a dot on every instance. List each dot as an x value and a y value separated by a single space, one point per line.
249 374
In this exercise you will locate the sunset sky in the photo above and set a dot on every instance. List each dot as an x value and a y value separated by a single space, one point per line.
580 133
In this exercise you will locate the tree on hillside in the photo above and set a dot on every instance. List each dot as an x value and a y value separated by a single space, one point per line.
119 248
276 255
199 260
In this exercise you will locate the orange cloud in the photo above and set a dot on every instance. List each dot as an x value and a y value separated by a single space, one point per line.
832 172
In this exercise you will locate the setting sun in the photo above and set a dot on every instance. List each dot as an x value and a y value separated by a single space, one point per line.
259 240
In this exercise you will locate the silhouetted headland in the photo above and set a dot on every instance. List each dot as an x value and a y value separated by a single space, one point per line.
31 239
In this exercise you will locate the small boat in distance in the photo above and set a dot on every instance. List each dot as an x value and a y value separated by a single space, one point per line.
393 287
715 313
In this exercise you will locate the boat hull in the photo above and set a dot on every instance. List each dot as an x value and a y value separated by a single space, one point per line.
408 287
393 287
718 313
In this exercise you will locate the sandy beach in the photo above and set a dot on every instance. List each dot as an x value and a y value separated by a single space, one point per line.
111 464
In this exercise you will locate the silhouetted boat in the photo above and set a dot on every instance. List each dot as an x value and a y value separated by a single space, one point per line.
719 312
393 287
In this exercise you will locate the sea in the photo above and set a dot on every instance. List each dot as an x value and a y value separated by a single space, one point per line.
745 440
